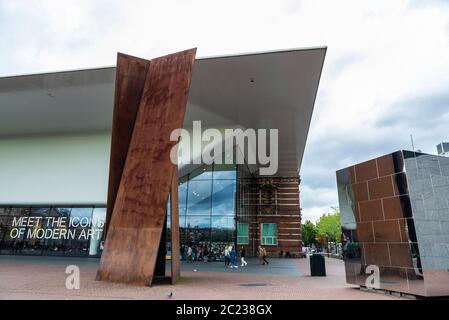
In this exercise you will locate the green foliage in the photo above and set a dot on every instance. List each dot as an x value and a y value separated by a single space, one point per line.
308 232
329 226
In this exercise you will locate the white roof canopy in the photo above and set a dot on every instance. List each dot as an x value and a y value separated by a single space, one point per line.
269 90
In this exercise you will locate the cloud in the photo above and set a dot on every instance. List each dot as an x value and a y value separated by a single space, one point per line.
415 111
385 76
390 82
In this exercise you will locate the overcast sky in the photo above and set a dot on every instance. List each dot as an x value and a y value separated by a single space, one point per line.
386 73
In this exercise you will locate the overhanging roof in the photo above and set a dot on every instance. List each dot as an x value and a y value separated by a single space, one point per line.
272 90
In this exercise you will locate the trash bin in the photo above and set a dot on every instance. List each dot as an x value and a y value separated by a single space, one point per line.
317 265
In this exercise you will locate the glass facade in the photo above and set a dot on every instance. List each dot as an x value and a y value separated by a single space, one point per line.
207 212
216 208
52 230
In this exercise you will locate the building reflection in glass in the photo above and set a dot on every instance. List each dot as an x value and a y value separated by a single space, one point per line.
394 213
207 212
52 230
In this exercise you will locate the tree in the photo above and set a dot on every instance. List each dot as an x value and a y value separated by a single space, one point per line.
308 232
329 226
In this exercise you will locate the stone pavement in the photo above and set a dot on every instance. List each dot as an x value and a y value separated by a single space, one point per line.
24 277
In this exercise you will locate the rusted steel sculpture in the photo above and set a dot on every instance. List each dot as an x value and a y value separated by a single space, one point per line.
147 176
130 76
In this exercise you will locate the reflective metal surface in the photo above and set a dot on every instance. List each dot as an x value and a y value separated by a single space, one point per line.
395 216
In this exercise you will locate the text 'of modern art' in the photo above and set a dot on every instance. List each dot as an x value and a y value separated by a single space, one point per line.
395 223
150 102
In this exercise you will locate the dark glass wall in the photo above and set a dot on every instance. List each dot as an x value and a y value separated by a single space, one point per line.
208 219
207 214
52 230
207 223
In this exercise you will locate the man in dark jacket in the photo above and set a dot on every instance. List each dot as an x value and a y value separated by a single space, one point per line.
242 257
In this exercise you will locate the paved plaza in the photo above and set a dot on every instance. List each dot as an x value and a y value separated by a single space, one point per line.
24 277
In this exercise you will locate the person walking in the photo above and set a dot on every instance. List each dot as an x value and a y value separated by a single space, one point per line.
227 256
242 257
264 256
233 255
205 254
261 255
189 254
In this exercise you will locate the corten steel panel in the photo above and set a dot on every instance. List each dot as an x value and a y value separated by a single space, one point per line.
140 208
130 76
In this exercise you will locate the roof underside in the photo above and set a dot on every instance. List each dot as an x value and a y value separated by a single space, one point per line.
273 90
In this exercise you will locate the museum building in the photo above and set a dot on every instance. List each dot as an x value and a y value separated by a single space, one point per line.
55 138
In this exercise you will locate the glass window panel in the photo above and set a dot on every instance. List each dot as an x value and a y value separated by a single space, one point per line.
60 212
58 222
182 198
242 229
222 235
198 235
199 197
98 220
269 229
182 230
35 235
223 198
80 221
4 211
269 236
39 211
202 173
20 211
223 229
6 242
242 233
198 222
227 172
13 240
81 214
